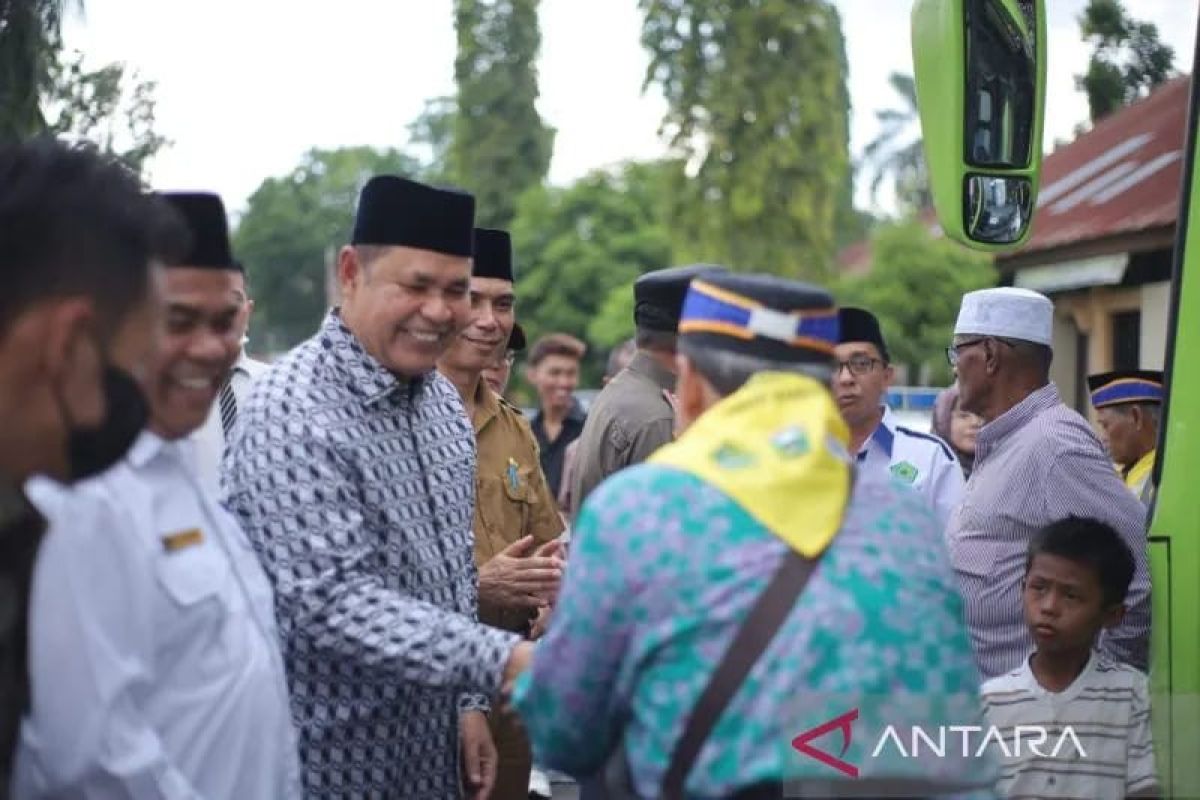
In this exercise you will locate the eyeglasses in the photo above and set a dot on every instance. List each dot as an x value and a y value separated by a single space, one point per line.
510 357
858 365
954 351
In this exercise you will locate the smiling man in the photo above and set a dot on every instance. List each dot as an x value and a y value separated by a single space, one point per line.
153 651
514 510
355 479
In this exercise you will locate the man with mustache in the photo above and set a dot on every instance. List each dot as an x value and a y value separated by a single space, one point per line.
886 449
79 315
355 478
514 510
153 651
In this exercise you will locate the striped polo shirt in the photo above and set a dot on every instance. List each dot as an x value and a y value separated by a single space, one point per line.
1037 463
1109 752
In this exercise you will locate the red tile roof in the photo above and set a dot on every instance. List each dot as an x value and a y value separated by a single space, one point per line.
1120 177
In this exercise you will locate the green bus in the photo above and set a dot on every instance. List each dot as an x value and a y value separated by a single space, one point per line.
980 68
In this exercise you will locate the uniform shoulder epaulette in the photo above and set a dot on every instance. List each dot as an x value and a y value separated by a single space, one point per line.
929 437
510 406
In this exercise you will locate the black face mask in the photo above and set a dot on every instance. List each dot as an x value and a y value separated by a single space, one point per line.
91 451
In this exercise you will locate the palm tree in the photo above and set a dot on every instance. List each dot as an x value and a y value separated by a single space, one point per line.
29 43
897 154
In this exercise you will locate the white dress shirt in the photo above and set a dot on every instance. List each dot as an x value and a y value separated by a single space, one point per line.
153 651
916 459
210 438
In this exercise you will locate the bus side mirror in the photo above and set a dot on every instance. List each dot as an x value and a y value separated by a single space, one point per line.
980 69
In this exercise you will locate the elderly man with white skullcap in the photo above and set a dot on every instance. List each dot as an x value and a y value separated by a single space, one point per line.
1036 461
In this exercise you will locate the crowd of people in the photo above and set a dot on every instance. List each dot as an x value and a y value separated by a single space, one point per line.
360 571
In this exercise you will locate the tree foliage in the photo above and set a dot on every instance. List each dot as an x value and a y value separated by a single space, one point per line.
915 287
500 146
105 106
1128 58
758 111
291 230
896 153
580 248
29 45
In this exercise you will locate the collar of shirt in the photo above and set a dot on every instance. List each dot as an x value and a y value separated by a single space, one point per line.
884 436
644 364
150 446
366 376
487 406
993 433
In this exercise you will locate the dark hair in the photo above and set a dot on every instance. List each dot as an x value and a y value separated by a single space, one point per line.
75 222
1092 543
556 344
651 339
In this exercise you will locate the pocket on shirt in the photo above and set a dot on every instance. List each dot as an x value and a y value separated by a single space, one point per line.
190 578
973 556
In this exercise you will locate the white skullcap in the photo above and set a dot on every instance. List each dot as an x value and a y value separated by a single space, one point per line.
1007 312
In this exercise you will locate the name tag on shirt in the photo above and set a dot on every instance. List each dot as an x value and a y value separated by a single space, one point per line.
174 542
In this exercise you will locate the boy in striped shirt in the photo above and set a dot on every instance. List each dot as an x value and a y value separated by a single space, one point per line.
1075 724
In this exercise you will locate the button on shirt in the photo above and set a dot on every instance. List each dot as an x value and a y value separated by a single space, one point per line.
1037 463
153 650
912 458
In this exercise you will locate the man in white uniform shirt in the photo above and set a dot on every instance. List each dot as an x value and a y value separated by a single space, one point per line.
217 430
153 651
886 449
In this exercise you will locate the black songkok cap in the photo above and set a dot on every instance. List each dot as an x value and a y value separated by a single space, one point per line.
860 325
658 296
397 211
516 340
760 315
203 215
493 255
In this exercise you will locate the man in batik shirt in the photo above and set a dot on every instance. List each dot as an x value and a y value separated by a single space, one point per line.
670 556
355 481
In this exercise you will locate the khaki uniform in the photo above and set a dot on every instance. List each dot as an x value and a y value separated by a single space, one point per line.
628 421
512 500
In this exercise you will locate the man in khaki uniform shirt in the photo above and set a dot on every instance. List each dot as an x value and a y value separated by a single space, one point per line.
516 517
632 416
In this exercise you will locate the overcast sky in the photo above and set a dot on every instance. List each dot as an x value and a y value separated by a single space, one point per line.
246 86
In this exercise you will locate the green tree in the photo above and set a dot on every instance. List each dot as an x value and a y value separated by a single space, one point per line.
290 233
758 110
896 153
909 262
431 136
104 106
1128 58
29 44
580 248
500 147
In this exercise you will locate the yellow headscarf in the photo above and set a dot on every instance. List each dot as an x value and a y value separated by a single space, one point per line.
777 447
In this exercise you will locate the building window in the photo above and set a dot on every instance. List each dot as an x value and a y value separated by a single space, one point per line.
1126 340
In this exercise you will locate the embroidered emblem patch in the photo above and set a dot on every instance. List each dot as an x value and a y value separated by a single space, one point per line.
904 471
514 477
731 456
791 442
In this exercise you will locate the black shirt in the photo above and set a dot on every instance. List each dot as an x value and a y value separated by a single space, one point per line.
554 454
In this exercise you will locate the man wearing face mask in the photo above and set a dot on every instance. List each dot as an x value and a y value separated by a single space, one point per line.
356 483
156 671
78 314
213 438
